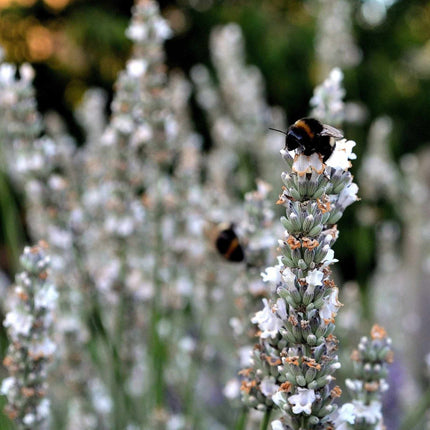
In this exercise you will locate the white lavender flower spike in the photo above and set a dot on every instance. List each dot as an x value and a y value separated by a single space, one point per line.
31 349
327 102
297 346
370 371
335 44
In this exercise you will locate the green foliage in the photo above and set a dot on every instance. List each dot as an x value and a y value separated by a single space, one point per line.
12 231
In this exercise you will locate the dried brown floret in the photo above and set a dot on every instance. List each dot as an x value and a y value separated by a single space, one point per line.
378 332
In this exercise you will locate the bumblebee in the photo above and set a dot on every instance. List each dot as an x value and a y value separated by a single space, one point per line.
310 136
226 241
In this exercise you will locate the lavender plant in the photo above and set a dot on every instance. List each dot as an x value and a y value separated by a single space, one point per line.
328 105
238 115
378 156
90 206
18 108
258 232
42 168
370 371
132 206
118 218
294 362
396 265
327 101
29 325
335 45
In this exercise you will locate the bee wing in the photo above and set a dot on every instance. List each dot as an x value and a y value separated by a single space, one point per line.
328 130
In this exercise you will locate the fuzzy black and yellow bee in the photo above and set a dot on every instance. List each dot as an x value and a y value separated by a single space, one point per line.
311 136
227 243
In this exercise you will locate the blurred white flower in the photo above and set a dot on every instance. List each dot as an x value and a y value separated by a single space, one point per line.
350 412
371 413
26 72
327 102
346 413
355 385
41 348
279 399
268 386
101 400
29 419
7 384
245 356
43 409
162 29
19 322
277 425
137 32
142 134
232 389
7 73
237 325
136 67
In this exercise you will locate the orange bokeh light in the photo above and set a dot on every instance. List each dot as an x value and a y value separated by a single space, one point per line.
7 3
39 42
57 4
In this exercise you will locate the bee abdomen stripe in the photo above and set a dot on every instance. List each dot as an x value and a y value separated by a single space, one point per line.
233 245
302 124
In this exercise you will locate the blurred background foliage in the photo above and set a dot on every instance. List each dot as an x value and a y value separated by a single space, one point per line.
77 44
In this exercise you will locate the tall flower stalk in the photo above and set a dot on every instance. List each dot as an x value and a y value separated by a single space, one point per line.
371 361
294 361
31 349
327 101
43 167
335 44
238 115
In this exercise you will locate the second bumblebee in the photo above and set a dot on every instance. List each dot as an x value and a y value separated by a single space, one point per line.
228 245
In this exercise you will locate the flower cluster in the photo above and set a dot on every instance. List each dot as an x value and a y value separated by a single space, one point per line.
152 128
18 108
88 202
294 362
378 158
44 168
397 263
29 324
259 230
370 369
238 114
327 101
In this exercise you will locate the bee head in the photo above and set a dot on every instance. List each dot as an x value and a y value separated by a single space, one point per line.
296 137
